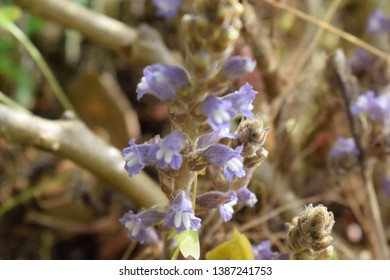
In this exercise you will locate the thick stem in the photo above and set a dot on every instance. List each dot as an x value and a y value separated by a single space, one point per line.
73 140
143 45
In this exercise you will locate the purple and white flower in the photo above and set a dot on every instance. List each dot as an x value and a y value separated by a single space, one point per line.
242 99
224 201
167 8
246 197
140 226
167 151
237 66
214 137
263 250
136 157
344 146
378 23
162 81
182 216
218 111
221 110
376 107
229 159
226 209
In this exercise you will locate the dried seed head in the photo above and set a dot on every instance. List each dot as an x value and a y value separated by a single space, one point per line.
310 233
252 135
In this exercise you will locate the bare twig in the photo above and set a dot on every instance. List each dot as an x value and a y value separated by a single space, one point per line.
73 140
346 87
278 103
143 45
288 92
262 50
328 27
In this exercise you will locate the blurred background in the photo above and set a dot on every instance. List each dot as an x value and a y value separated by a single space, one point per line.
50 208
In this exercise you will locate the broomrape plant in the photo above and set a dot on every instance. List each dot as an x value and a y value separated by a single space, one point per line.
203 139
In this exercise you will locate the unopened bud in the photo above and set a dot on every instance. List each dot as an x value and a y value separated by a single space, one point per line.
309 235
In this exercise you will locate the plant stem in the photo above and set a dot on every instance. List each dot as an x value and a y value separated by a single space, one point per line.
36 55
327 26
195 190
72 139
175 254
11 103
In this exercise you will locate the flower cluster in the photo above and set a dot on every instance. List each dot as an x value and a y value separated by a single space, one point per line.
202 114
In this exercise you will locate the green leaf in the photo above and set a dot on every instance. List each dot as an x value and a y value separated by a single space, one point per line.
189 244
9 14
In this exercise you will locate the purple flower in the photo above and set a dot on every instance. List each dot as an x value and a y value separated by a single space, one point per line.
220 110
214 137
237 66
167 152
136 157
361 60
246 197
167 8
242 100
140 225
226 210
344 146
263 250
224 201
378 23
182 216
229 159
376 107
162 81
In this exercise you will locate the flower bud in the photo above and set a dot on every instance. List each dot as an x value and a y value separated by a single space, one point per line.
310 233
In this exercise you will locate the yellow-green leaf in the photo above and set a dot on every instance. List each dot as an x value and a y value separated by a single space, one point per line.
237 247
189 244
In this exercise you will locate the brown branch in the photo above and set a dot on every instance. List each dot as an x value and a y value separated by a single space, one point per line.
143 45
343 81
73 140
263 51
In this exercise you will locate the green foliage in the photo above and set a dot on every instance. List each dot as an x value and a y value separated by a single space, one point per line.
6 22
9 67
189 244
